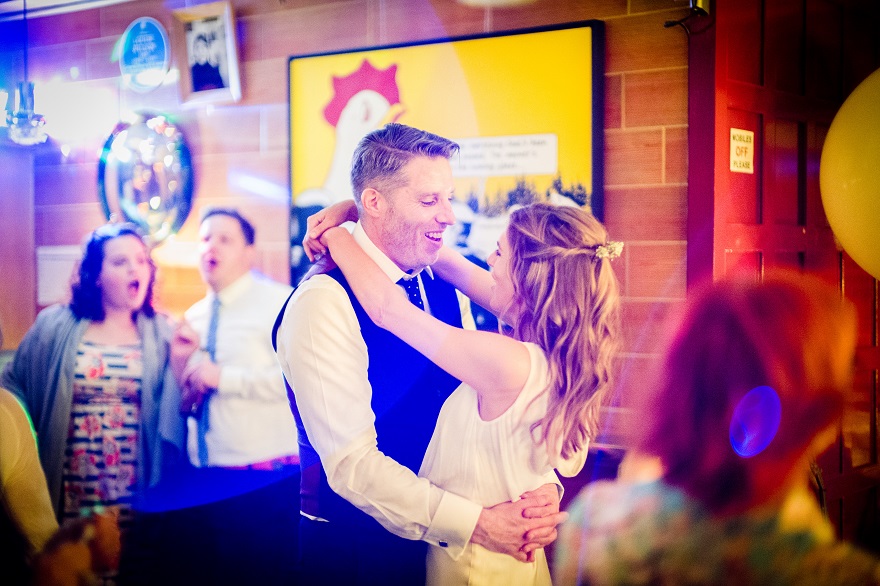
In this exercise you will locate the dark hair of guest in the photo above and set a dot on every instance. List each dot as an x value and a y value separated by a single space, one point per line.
86 300
250 233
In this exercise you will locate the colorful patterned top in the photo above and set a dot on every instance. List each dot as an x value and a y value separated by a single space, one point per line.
651 533
101 454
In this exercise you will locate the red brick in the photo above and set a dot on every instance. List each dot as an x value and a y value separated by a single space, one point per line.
56 61
633 157
226 129
656 270
116 18
613 101
645 324
315 29
637 6
636 373
67 223
655 98
406 21
99 58
641 43
646 213
547 12
64 28
264 82
66 184
676 155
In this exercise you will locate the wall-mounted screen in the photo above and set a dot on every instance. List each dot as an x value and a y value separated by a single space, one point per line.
526 108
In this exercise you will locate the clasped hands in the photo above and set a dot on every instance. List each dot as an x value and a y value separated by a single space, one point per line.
197 378
520 527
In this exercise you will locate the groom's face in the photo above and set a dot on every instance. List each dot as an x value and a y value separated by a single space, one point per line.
415 213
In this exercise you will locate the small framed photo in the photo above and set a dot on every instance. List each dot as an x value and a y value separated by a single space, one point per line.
207 53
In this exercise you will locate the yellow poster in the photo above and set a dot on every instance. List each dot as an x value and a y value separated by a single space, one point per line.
521 106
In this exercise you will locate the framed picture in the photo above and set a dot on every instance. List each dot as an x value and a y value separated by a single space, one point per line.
526 107
207 53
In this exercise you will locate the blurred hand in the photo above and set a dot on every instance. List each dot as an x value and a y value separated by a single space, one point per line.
200 379
323 265
106 545
80 550
184 343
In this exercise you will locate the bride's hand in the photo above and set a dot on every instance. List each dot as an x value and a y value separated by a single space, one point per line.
320 222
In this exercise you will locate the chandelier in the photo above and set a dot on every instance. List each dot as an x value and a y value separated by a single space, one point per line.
25 125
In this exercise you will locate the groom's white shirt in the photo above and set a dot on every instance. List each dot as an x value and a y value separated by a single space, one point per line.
324 358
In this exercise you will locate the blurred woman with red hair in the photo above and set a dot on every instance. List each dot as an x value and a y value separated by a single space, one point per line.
752 389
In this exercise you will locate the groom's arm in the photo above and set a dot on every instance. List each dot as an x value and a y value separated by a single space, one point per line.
324 357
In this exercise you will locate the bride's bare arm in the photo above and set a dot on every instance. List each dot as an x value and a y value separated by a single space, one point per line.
493 364
470 279
323 220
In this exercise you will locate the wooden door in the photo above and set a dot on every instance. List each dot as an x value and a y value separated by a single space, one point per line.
780 69
17 256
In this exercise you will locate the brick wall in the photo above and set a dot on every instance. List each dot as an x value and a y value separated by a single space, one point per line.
645 126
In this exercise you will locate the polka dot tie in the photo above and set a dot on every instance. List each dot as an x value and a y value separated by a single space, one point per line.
411 286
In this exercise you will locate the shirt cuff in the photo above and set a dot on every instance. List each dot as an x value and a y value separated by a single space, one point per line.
453 524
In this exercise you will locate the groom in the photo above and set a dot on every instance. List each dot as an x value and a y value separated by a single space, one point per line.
366 403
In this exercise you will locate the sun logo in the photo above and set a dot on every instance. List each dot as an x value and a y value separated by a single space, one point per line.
367 78
363 101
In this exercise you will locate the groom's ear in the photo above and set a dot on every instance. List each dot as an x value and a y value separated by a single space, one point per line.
372 202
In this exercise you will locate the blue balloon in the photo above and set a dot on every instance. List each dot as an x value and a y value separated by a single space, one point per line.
755 421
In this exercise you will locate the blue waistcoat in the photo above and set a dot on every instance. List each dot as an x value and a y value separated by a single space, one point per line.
407 393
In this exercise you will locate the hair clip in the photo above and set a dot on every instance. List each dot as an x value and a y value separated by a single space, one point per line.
609 250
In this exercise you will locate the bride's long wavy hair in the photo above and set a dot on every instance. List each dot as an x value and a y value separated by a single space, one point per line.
567 301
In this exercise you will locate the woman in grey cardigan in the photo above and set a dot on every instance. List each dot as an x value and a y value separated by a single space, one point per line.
96 380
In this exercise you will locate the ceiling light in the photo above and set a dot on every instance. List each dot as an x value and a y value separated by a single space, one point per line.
25 126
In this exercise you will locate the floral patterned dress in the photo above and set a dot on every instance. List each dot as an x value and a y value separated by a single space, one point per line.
651 533
101 454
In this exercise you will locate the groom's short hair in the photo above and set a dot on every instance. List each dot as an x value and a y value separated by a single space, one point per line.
381 154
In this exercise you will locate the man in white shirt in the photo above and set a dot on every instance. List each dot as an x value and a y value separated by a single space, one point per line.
241 435
367 403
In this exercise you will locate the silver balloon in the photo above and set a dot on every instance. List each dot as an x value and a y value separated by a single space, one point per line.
145 175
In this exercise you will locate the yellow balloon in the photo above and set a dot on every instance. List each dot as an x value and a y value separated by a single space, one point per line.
849 175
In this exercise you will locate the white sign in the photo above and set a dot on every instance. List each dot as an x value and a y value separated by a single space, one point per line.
742 151
494 156
144 56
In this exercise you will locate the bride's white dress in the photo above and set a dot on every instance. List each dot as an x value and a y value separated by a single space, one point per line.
489 462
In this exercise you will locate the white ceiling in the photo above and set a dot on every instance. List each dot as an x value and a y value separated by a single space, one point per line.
13 9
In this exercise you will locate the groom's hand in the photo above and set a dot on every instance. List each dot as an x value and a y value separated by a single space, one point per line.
548 496
508 527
